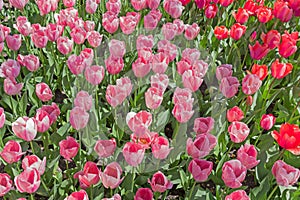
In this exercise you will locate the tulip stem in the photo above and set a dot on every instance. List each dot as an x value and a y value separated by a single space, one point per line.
31 196
32 149
133 176
192 190
273 191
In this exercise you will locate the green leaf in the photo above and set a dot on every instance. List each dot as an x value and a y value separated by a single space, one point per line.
162 120
64 129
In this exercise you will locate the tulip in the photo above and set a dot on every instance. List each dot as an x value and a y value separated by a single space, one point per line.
4 32
229 86
288 138
31 62
285 174
280 70
251 6
264 14
42 120
23 25
80 195
169 30
54 31
25 128
94 74
190 55
267 121
88 56
69 3
114 95
83 100
288 44
113 6
89 176
151 19
200 169
241 16
144 42
64 45
183 112
235 114
159 81
159 63
19 4
138 4
5 184
79 118
68 148
160 148
191 31
139 122
110 22
251 84
211 11
12 152
10 69
201 146
191 80
105 148
152 4
14 42
238 131
160 183
91 6
111 176
115 197
94 38
2 117
43 92
258 51
282 11
34 162
52 110
201 3
233 173
153 98
272 39
39 38
173 7
114 65
182 96
76 64
224 70
11 87
238 194
260 70
203 125
133 153
247 156
180 26
199 68
143 194
28 181
249 100
169 49
89 25
225 3
221 32
237 31
295 5
78 34
183 66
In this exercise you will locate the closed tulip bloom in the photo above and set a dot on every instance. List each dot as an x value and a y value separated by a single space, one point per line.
31 62
141 68
173 7
39 38
42 120
87 55
5 184
260 70
238 195
113 6
258 51
12 152
94 38
238 131
111 176
203 125
105 148
191 80
201 3
133 153
241 16
251 84
69 3
94 74
225 3
25 128
54 31
180 26
285 174
28 181
64 45
139 122
79 118
159 81
76 64
19 4
151 19
272 38
91 6
114 95
89 176
89 25
117 48
211 11
160 148
2 117
153 98
68 148
183 112
288 45
191 31
43 92
138 4
143 194
249 100
52 110
221 32
159 63
169 49
264 14
144 42
247 156
160 183
233 173
229 86
280 70
153 4
23 25
251 6
224 70
169 30
183 66
110 22
83 100
80 195
4 31
200 169
14 42
237 31
282 11
78 34
267 121
34 162
201 146
295 5
114 65
10 69
182 95
11 87
235 114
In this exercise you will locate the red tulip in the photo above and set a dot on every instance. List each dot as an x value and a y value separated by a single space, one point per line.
23 25
267 121
282 11
224 70
105 148
241 16
111 176
151 19
247 156
185 2
238 131
260 70
160 183
94 74
201 146
280 70
191 31
251 6
211 11
14 42
25 128
237 31
295 5
258 51
28 181
160 148
110 22
200 169
235 114
12 152
264 14
251 84
113 6
5 184
79 118
68 148
233 173
31 62
221 32
203 125
143 194
133 153
80 195
229 86
173 7
238 195
285 174
225 3
64 45
89 176
288 45
34 162
201 3
2 117
42 120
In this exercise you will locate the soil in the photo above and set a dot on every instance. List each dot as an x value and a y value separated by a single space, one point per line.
59 97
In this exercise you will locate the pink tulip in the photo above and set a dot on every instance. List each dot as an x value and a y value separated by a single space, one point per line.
105 148
169 30
114 95
88 56
159 81
89 25
91 6
182 95
238 195
42 120
238 131
129 22
14 42
12 152
285 174
80 195
229 86
183 66
211 11
19 4
250 84
94 38
110 22
200 169
233 173
78 34
54 31
52 110
139 122
23 25
64 45
28 181
69 3
79 118
115 197
153 98
160 183
247 156
117 48
125 85
89 176
160 148
68 148
190 55
191 31
140 68
83 100
67 17
1 46
224 70
143 194
113 6
10 69
25 128
191 80
169 49
39 38
267 121
183 111
34 162
235 114
43 92
138 4
5 184
114 65
173 8
201 146
4 31
44 6
146 140
76 64
144 42
203 125
151 19
31 62
152 4
94 74
133 153
2 117
159 63
272 39
111 176
11 87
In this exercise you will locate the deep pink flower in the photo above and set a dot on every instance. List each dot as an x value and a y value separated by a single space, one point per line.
201 146
105 148
42 120
238 131
111 176
133 153
247 156
34 162
233 173
200 169
54 31
43 92
229 86
203 125
14 42
238 195
267 121
12 152
110 22
28 181
234 114
160 148
90 175
64 45
2 117
52 110
5 184
143 194
68 148
80 195
160 183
